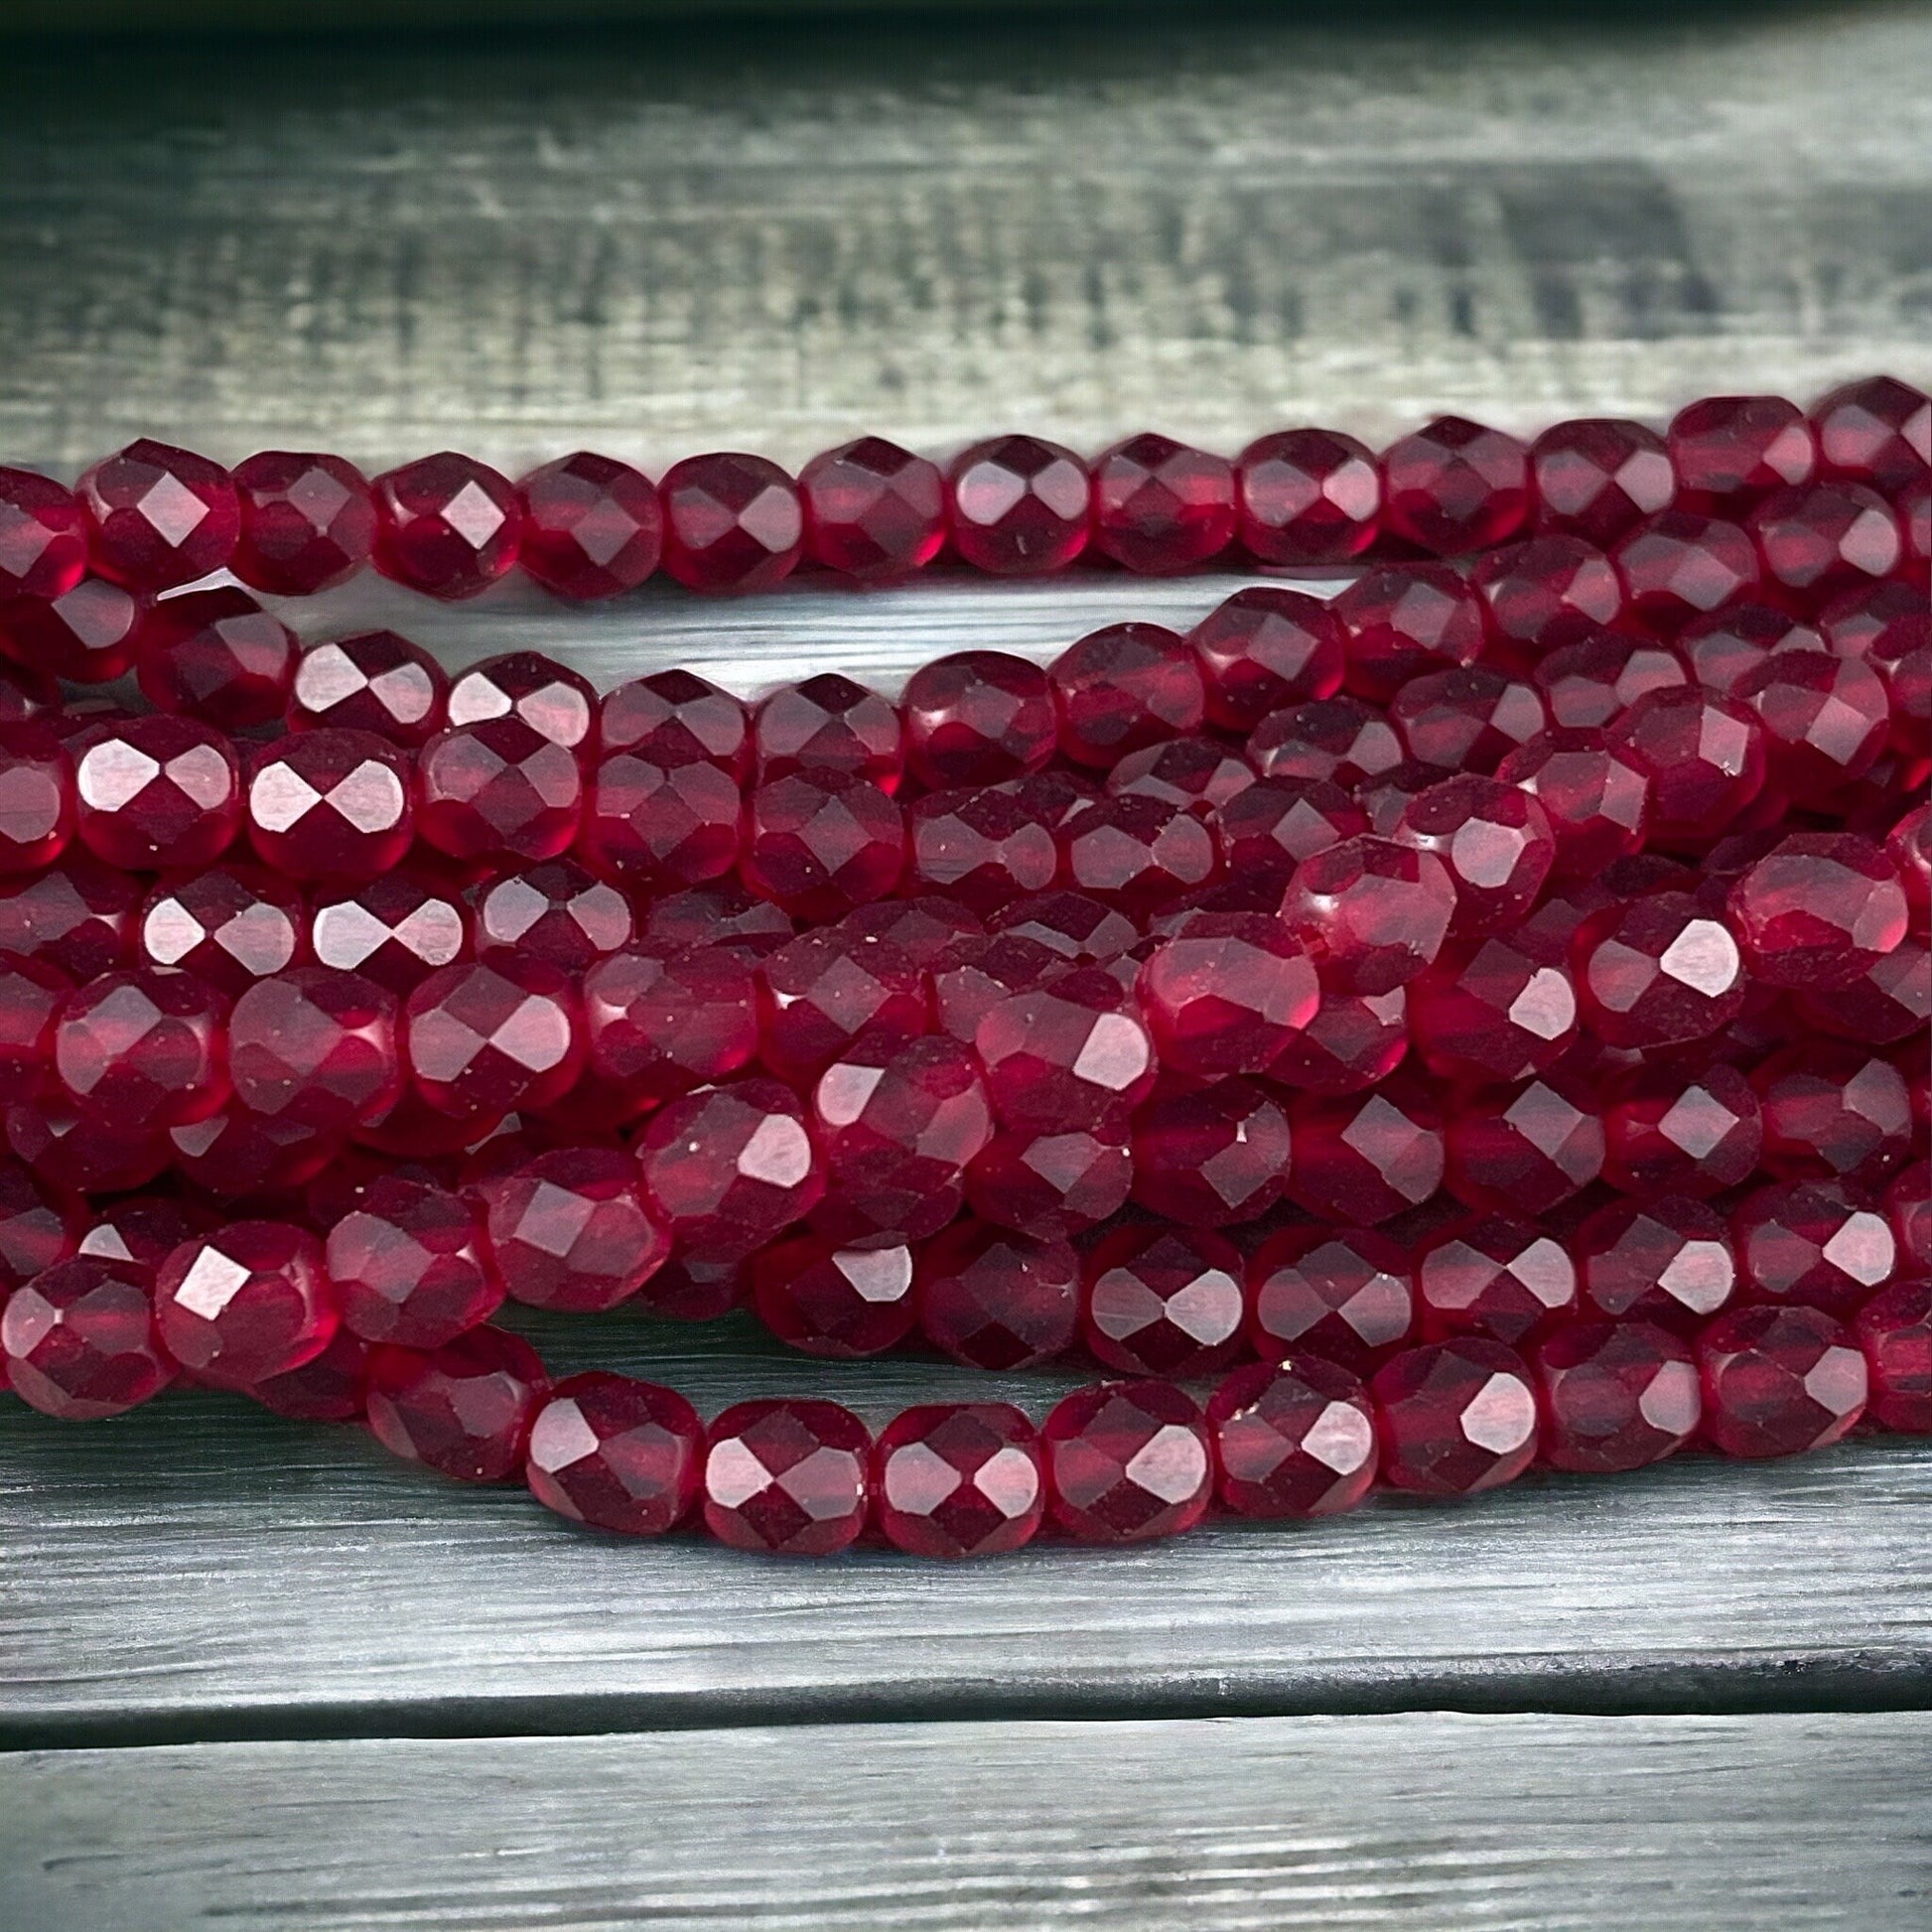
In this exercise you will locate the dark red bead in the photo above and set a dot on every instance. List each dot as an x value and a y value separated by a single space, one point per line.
1268 828
1593 795
1081 929
1211 1157
1264 648
1877 430
695 1288
1818 1243
982 845
1914 507
731 522
1051 1185
1704 757
1731 451
1668 1258
1818 910
1889 1001
1524 1150
553 699
824 990
1833 1110
1135 852
1307 497
1124 687
1294 1440
924 929
1493 840
373 681
1616 1394
675 718
1671 1132
395 930
1127 1461
1548 591
1340 740
1454 1418
1226 993
316 1049
1068 1055
819 843
158 516
994 1298
827 723
77 916
1018 507
661 825
616 1453
1894 1330
156 791
43 535
143 1049
36 797
1677 566
73 1150
307 522
1345 1294
1588 683
958 1479
1492 1275
786 1478
1160 506
245 1301
1456 486
407 1265
31 993
79 1343
657 1025
447 525
568 1229
557 912
1778 1381
1825 719
592 527
482 1039
330 805
977 718
328 1389
497 791
1405 621
235 1154
826 1297
87 635
1492 1011
26 694
1467 721
41 1225
1819 542
464 1409
1596 476
871 510
1361 1158
1723 648
1372 913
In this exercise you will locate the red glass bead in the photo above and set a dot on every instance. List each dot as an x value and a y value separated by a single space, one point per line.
1616 1394
373 681
592 527
657 1025
1818 910
1594 796
1362 1157
1371 913
1018 507
395 930
1889 1001
1491 1010
958 1479
1596 476
731 522
1455 1417
77 916
231 926
788 1478
1080 928
1456 486
482 1039
235 1154
1819 542
87 635
1052 1184
1669 1131
924 929
1667 1259
1307 497
74 1151
827 723
826 1297
1135 852
1677 566
1225 994
316 1049
819 843
31 993
1705 757
1877 430
465 1409
1815 1242
330 805
143 1049
1264 648
1467 721
1160 506
554 701
156 791
977 718
1162 1300
1340 740
695 1288
1402 621
78 1341
1825 719
447 525
1124 687
497 791
728 1166
40 1225
43 536
1778 1381
1294 1440
557 912
984 846
568 1229
1345 1294
36 797
1588 683
994 1298
328 1389
26 694
308 523
1731 451
1833 1110
618 1453
1725 647
1894 1330
1914 507
1492 1275
1127 1461
1494 842
1524 1150
407 1265
1065 1055
158 516
871 510
1270 827
139 1232
661 825
1211 1157
245 1301
1910 846
674 718
1550 591
822 991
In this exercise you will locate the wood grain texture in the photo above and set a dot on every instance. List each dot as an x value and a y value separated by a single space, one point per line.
1432 1823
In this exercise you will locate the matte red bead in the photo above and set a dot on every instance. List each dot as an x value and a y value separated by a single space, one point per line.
994 1298
557 912
1778 1381
824 990
592 527
1677 566
31 993
1723 648
43 535
1123 687
1491 1011
1889 1001
328 1389
553 699
1361 1158
568 1229
984 846
245 1301
675 718
1372 913
315 1047
497 791
1524 1150
372 681
1833 1110
977 718
407 1265
231 926
958 1479
395 930
659 1024
1596 476
78 1341
158 516
1818 910
1455 486
41 1225
618 1453
1454 1418
1294 1440
1135 852
788 1478
308 523
1616 1394
1344 1295
1667 1259
1673 1132
330 805
1404 620
1594 796
819 843
828 1296
1493 1275
1494 842
1894 1330
156 791
1914 507
1877 430
1467 721
1162 1300
1018 507
1825 719
1160 506
143 1049
1588 683
1127 1461
1264 648
1819 542
1268 828
235 1154
1080 928
925 927
1065 1055
482 1039
662 825
465 1409
1704 757
1340 740
77 916
1730 452
87 635
731 522
1052 1184
1211 1157
74 1150
36 797
1307 497
871 510
1550 591
1225 994
447 525
1815 1242
828 723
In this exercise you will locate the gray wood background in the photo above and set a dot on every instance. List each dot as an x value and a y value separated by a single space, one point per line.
259 1675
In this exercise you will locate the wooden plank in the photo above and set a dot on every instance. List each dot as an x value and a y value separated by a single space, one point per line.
1435 1822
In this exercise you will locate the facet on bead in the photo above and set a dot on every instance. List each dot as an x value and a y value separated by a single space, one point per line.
1371 914
74 1150
1018 507
156 791
330 805
977 718
570 1229
465 1409
1779 1381
87 635
1594 796
981 845
557 912
1616 1394
1672 1131
553 699
1455 486
1491 1010
447 525
1052 1184
1833 1110
1889 1001
1124 687
1307 497
43 536
158 516
497 791
592 527
958 1479
661 825
36 797
1065 1055
326 1389
31 993
1455 1417
79 1343
143 1049
675 718
1656 970
824 990
1524 1150
1135 852
1731 451
1082 929
1403 621
659 1025
1159 506
828 723
819 843
995 1299
1590 680
1493 1275
827 1296
1266 648
1539 595
615 1452
1361 1158
407 1265
1668 1258
1677 566
871 510
1467 721
1296 1439
372 681
315 1047
245 1301
41 1225
1268 828
1344 1295
1494 842
229 925
308 523
1877 430
1127 1461
482 1039
1894 1330
1341 739
1820 1243
1596 476
1818 909
395 930
731 522
1162 1300
1226 992
787 1478
1825 719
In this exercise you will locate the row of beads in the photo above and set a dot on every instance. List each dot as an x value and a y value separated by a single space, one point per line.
152 516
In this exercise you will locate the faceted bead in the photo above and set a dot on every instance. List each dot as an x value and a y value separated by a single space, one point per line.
31 993
1725 647
1910 846
1818 1243
554 701
414 1130
820 993
1889 1001
994 1298
1340 740
1616 1394
1818 910
1594 796
447 525
375 681
1467 721
787 1478
407 1265
79 1343
1353 1042
1825 719
465 1409
1493 1275
87 635
330 805
1160 506
1307 497
245 1301
482 1039
497 791
1080 928
1297 1440
1894 1330
1067 1054
657 1025
1819 542
1211 1157
977 718
1588 683
1914 507
1456 486
1705 757
1677 566
1494 842
827 1296
1525 1149
1018 507
1225 994
958 1479
1778 1381
1199 773
1127 1461
307 522
1265 648
1455 1417
1731 451
1135 852
1362 1157
819 843
828 723
26 694
695 1288
1402 621
43 536
1668 1258
1490 1011
1877 432
143 1049
76 1151
1372 913
871 510
1833 1111
1596 476
77 916
729 1167
661 825
158 516
231 926
1671 1132
568 1229
395 930
37 797
328 1389
1052 1184
1124 687
1268 828
592 527
40 1225
235 1154
674 718
315 1047
924 929
156 791
616 1453
1548 591
982 845
1343 1293
557 912
731 522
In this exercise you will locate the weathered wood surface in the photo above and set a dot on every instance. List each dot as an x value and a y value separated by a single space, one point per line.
1432 1823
